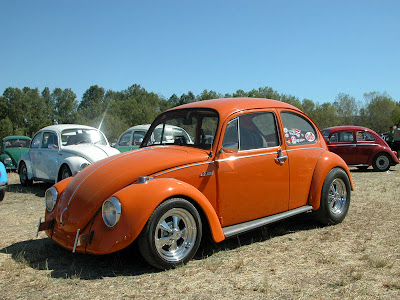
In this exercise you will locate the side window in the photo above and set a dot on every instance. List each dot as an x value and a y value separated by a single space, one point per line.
334 138
364 136
346 137
257 130
36 141
124 140
231 137
298 130
138 137
49 140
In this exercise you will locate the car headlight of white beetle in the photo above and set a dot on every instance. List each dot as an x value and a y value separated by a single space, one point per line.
51 198
84 165
111 211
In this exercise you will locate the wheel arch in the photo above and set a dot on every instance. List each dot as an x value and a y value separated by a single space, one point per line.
326 162
138 202
74 163
27 161
378 152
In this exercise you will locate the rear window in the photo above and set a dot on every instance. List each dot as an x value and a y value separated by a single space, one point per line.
298 130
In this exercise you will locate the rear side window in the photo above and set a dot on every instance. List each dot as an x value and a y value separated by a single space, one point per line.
298 130
364 136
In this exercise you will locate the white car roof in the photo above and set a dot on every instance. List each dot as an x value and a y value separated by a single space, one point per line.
59 128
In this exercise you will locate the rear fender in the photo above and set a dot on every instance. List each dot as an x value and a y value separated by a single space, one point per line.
27 160
327 161
386 150
138 201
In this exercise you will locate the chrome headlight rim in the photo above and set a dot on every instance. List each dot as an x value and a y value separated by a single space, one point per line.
51 196
84 165
7 161
111 211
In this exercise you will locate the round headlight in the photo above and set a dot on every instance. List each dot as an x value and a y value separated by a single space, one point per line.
84 165
51 198
7 161
111 211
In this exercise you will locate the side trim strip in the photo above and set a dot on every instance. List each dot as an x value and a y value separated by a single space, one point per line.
236 229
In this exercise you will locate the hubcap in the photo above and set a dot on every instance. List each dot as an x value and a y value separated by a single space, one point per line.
23 173
337 196
175 234
382 162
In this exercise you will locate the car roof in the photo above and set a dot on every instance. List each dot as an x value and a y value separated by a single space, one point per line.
227 106
61 127
143 127
12 137
348 127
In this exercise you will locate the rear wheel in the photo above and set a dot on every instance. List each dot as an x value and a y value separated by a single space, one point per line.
381 162
172 234
2 194
335 197
23 175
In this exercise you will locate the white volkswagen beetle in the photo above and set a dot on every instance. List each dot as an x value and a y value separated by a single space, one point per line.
60 151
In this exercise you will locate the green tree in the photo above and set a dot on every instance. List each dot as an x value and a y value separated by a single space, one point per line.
64 106
346 109
381 111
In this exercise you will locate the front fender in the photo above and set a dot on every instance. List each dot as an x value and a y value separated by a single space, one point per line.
327 161
138 201
27 160
74 163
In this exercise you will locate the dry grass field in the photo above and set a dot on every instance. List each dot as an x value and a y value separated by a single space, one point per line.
293 259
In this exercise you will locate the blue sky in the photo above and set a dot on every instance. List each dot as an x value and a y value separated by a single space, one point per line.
309 49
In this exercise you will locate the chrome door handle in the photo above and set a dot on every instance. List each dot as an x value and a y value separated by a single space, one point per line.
281 158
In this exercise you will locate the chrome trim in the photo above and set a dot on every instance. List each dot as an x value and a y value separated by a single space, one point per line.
144 179
76 241
61 216
184 167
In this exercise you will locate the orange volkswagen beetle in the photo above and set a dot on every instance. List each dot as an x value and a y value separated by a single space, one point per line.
248 162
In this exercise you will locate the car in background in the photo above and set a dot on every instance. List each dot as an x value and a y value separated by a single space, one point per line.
12 147
360 147
60 151
249 162
133 137
3 181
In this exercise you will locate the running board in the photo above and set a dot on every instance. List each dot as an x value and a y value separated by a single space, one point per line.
236 229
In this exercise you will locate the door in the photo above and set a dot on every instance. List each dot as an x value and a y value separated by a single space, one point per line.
343 144
251 182
366 143
47 162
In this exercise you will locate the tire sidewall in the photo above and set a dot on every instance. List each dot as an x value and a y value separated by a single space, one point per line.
375 162
65 169
146 238
324 213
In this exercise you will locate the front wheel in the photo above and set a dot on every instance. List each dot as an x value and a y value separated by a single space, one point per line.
381 162
65 172
335 197
23 175
172 234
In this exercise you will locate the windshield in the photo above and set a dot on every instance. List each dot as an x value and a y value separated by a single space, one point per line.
12 143
185 127
81 136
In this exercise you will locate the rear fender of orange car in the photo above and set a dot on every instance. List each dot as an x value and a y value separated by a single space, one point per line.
138 201
326 162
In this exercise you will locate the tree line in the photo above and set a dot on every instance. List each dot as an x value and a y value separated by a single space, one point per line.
25 111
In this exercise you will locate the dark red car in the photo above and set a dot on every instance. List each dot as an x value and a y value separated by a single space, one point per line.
360 147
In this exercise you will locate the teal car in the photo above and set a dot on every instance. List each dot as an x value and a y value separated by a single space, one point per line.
3 181
12 148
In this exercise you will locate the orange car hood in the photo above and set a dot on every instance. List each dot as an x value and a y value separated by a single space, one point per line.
87 191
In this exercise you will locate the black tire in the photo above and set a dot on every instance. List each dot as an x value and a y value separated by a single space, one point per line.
381 162
335 197
176 225
23 175
2 194
65 172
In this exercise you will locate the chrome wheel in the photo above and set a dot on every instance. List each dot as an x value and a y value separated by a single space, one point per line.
23 175
337 196
175 234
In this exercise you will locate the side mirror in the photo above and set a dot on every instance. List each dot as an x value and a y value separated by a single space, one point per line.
230 148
